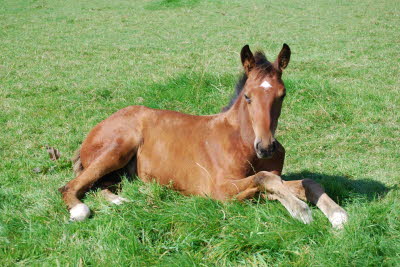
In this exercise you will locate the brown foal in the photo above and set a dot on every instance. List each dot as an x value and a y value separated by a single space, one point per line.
230 155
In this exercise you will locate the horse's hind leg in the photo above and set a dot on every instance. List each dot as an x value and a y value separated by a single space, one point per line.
309 190
109 187
109 183
113 198
110 160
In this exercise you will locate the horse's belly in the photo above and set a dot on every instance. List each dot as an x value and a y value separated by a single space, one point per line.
178 170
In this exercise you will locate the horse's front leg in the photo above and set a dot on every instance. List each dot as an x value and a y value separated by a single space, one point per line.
313 192
271 184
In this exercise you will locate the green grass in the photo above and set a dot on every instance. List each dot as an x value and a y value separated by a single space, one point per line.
66 65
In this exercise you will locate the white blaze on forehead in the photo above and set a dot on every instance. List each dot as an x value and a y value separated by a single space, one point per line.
266 85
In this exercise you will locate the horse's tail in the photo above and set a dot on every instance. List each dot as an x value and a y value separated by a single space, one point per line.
77 163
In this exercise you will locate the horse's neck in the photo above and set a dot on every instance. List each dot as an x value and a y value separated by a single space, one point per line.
239 118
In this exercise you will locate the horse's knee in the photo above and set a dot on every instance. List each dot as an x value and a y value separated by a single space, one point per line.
267 180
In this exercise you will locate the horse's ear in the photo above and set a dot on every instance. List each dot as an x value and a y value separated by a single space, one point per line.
247 59
283 58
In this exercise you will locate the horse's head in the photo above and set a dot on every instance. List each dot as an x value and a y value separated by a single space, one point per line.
263 93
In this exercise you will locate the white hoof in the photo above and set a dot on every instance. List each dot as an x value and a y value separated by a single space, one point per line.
297 208
119 200
302 212
79 212
338 219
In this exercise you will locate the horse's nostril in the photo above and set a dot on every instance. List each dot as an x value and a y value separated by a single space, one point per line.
258 145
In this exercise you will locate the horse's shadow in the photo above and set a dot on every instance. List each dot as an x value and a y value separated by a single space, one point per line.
341 188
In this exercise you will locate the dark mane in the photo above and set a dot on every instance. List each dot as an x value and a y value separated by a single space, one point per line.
263 66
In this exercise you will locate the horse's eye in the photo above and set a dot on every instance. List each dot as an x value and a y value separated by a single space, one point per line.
247 99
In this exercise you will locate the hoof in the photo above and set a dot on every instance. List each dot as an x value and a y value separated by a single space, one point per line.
338 219
297 208
302 212
79 212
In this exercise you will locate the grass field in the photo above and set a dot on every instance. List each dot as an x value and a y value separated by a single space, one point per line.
66 65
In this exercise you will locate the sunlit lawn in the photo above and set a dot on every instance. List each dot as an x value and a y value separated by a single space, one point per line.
66 65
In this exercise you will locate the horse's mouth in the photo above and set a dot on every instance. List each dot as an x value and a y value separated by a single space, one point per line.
267 153
264 154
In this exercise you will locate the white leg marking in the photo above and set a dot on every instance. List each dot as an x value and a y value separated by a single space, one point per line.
297 208
79 212
338 218
336 214
113 198
300 211
119 200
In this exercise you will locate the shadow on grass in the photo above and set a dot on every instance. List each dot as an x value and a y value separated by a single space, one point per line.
342 188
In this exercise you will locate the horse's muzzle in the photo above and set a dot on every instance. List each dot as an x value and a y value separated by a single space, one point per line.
265 153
